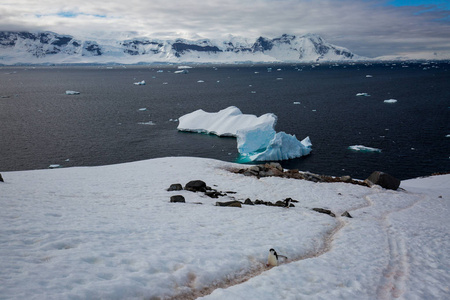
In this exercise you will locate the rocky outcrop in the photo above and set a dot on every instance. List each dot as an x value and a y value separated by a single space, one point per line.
383 179
275 169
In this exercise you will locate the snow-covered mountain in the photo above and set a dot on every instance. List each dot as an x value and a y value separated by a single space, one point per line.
49 47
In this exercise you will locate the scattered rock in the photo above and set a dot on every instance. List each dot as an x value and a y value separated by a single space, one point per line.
313 177
345 178
213 194
177 199
1 178
346 214
175 187
383 179
324 211
195 186
280 203
229 204
248 202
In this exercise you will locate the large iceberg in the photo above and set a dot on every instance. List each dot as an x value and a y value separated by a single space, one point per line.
257 139
223 123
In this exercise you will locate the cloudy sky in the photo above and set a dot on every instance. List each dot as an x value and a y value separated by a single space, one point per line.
367 27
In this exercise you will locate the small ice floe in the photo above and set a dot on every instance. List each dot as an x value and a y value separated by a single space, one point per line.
147 123
72 93
448 135
278 70
297 102
390 101
184 71
362 148
279 78
200 81
253 92
184 67
54 166
159 71
142 109
269 69
369 76
363 94
140 83
173 120
165 83
256 72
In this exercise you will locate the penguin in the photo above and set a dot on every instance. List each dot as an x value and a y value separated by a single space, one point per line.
287 202
272 260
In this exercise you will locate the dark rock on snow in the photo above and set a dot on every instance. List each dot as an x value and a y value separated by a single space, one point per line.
324 211
383 179
1 178
177 199
346 214
229 204
175 187
248 202
213 194
195 186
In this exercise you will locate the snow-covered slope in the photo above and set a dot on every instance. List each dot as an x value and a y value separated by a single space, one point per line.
49 47
109 232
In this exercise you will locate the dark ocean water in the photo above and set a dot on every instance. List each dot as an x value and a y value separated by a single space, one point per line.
41 125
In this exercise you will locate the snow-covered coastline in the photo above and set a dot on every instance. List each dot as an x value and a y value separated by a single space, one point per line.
110 232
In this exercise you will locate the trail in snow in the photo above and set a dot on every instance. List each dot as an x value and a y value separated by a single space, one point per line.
395 274
392 283
259 269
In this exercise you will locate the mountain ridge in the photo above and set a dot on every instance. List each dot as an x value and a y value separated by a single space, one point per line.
50 47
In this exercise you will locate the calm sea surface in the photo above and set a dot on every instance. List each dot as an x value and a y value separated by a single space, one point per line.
114 121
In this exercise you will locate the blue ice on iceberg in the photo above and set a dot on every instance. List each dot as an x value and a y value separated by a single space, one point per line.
257 139
262 143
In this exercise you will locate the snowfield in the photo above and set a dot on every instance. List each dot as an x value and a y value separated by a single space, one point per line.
110 232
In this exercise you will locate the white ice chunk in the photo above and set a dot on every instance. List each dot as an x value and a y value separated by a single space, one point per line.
184 71
363 94
140 83
257 139
147 123
390 101
54 166
296 102
363 148
223 123
72 93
